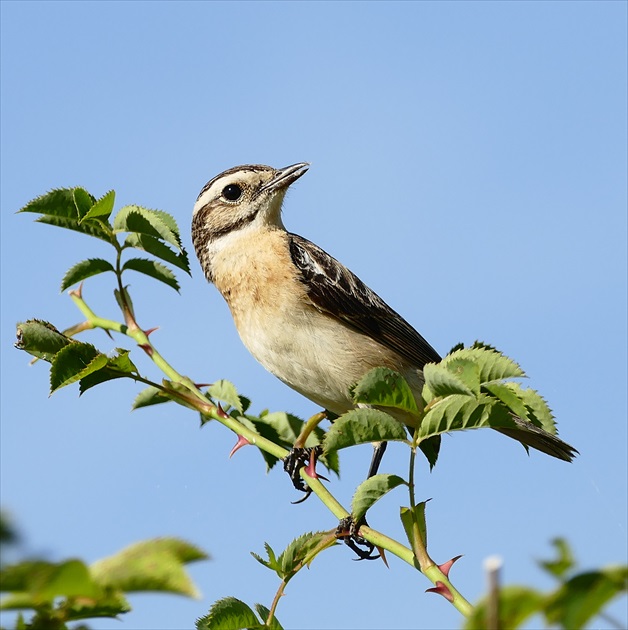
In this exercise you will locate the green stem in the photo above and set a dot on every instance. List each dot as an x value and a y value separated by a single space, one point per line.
197 399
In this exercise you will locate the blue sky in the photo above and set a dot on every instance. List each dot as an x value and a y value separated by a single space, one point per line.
468 163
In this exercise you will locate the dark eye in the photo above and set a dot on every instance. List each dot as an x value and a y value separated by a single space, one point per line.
232 192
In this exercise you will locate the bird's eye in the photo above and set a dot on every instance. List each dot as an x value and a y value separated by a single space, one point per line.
232 192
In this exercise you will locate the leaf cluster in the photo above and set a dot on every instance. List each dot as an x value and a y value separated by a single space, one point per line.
151 231
60 592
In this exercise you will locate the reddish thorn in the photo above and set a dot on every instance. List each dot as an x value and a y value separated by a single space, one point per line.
310 469
151 330
447 565
443 590
222 413
382 555
242 441
200 385
147 348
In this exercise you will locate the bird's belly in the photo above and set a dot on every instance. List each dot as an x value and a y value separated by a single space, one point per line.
316 355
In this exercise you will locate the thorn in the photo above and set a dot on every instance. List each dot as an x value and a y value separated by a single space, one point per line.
148 349
151 330
443 590
201 385
310 469
447 565
221 412
382 555
242 441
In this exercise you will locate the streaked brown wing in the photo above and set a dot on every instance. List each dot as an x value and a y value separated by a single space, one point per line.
337 291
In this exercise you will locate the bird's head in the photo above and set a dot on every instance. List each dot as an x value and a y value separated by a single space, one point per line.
242 197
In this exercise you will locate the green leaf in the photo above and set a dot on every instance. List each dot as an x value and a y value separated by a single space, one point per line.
516 604
145 221
170 222
584 596
90 228
408 519
102 208
264 612
109 604
85 269
466 371
383 387
371 491
229 613
43 581
359 426
456 412
564 561
226 392
493 365
509 396
442 382
83 202
150 396
151 565
123 298
118 366
539 412
40 339
430 447
73 363
302 550
271 563
157 248
56 203
153 269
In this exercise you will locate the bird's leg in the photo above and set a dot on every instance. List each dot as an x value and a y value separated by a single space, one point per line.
296 459
348 529
301 456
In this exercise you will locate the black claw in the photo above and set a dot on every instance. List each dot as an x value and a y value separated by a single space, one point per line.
348 530
292 464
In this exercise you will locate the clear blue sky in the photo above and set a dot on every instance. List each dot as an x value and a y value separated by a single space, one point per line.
468 163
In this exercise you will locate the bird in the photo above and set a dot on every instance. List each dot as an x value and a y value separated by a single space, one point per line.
301 313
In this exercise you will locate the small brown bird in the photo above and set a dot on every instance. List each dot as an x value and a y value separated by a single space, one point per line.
302 314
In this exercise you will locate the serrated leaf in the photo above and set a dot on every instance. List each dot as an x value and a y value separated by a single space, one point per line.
73 363
442 382
170 222
383 387
83 270
83 201
582 597
151 565
360 426
226 391
371 491
150 396
144 221
118 366
516 604
509 396
410 518
229 613
102 208
90 228
301 551
493 365
153 269
56 203
264 612
539 412
467 371
40 339
157 248
459 412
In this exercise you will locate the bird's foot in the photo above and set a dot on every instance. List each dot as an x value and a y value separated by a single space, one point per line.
348 530
298 458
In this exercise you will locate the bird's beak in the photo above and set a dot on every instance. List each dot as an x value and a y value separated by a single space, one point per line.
285 176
